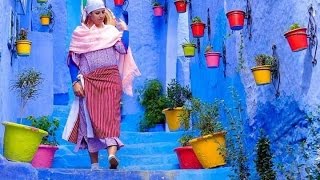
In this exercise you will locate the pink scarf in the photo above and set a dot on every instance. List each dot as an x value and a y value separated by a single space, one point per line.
86 40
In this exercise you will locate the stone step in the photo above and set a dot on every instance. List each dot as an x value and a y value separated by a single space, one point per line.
150 137
221 173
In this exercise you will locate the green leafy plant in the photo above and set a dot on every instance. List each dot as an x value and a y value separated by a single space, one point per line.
196 19
294 26
177 95
236 153
23 34
264 164
263 59
155 3
186 42
27 85
206 115
153 101
46 124
45 10
184 140
209 48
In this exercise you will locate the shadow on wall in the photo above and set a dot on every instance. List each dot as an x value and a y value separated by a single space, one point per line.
307 73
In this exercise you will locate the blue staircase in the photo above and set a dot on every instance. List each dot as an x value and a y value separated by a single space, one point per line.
145 156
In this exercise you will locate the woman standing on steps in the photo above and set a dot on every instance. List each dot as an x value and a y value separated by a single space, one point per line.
101 66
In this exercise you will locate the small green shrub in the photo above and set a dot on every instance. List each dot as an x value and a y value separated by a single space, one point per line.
46 124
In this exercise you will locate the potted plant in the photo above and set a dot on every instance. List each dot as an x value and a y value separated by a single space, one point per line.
197 27
210 146
153 101
297 37
45 153
264 164
236 19
212 58
46 13
28 137
181 5
177 96
157 8
42 1
263 69
23 45
186 156
119 2
189 48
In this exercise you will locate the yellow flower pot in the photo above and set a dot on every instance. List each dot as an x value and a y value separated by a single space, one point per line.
23 47
45 20
189 50
21 142
210 149
172 117
262 74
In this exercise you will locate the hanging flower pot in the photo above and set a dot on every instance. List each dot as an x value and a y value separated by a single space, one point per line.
297 38
45 20
197 27
172 117
262 71
187 158
118 2
44 156
262 74
23 47
181 6
208 149
21 142
189 49
157 10
236 19
212 58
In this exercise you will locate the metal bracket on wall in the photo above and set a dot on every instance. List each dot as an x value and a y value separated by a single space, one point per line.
165 11
52 20
249 18
275 69
312 35
224 59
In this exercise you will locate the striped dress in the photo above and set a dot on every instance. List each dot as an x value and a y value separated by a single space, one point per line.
102 87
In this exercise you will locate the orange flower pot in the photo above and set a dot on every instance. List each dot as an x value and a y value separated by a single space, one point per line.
157 10
118 2
236 19
198 29
181 6
297 39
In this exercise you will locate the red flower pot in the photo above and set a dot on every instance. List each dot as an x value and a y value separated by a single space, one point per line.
44 156
157 10
181 6
118 2
212 59
187 158
198 29
297 39
236 19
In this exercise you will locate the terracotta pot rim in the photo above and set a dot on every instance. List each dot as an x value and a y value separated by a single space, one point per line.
235 12
212 53
265 67
189 45
288 33
48 146
208 136
198 23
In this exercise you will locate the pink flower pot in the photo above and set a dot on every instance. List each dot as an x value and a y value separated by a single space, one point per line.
212 59
44 156
157 10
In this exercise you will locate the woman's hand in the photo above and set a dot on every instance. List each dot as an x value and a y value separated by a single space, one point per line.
121 25
78 90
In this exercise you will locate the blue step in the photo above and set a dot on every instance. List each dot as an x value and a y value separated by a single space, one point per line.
150 137
221 173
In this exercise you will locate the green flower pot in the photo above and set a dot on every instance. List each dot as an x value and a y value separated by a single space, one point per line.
21 142
189 50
